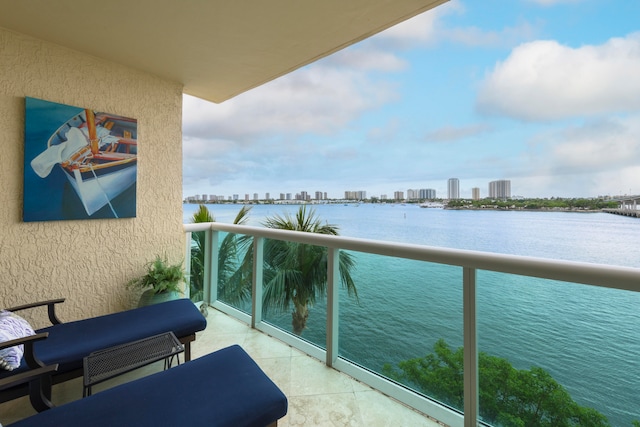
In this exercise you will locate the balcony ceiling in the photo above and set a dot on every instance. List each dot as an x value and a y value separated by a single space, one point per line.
218 48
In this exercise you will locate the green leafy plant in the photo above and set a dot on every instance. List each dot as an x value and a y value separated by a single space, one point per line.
234 284
295 274
509 397
161 276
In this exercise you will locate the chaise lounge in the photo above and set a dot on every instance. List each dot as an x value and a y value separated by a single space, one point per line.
66 344
224 389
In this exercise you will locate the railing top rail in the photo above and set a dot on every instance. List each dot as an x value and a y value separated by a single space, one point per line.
626 278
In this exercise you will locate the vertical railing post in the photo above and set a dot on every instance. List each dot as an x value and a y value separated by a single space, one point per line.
256 286
187 265
333 280
210 279
471 404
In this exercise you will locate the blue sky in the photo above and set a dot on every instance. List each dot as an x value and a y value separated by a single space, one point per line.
545 93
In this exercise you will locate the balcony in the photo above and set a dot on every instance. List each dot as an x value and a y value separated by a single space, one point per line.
327 383
477 280
317 395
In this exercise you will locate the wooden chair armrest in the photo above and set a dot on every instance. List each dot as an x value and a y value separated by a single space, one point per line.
51 308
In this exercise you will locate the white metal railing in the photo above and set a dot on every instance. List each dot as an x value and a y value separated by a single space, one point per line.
624 278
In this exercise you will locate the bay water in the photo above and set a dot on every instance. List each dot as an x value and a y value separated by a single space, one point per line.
586 337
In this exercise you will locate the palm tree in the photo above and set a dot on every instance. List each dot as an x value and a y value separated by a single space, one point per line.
230 287
296 273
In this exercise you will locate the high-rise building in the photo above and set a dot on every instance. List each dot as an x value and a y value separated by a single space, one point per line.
398 195
281 196
427 193
453 188
412 194
500 189
355 195
267 196
475 193
318 195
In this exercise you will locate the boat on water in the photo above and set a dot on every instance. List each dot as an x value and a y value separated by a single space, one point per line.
436 205
98 153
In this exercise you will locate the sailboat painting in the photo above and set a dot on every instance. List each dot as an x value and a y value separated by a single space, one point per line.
79 163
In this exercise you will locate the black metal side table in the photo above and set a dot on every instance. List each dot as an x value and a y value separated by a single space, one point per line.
105 364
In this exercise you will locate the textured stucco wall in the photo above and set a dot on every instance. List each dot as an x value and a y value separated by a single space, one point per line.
88 262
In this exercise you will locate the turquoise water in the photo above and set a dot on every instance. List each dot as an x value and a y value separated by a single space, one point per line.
588 338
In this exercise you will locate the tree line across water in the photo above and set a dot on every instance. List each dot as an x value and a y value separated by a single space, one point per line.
534 204
295 277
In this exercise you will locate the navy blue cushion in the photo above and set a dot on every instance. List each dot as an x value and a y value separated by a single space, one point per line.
225 388
69 342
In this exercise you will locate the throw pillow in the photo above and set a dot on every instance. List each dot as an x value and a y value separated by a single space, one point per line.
12 327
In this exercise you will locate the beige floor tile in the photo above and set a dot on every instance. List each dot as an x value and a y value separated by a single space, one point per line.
360 386
260 345
220 323
210 343
379 410
338 409
312 377
279 370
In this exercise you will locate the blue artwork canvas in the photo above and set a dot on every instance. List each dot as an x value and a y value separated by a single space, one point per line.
78 163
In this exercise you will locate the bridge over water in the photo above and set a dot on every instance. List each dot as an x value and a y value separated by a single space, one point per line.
628 205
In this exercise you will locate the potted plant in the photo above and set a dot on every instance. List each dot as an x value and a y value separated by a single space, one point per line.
161 282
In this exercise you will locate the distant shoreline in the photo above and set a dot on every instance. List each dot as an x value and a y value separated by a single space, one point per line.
524 209
456 208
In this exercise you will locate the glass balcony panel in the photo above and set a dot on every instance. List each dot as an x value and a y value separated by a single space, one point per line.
235 270
294 292
582 336
568 342
405 308
196 276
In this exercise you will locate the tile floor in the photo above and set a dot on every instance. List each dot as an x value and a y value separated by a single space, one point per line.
318 395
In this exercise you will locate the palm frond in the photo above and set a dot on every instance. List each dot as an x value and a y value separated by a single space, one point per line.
297 273
202 215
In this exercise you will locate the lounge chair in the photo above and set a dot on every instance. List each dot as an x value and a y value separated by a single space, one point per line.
66 344
222 389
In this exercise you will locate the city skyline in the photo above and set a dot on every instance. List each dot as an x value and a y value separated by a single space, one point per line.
500 189
542 92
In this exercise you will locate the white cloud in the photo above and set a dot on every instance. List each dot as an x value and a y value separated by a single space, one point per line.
419 30
586 160
452 133
544 80
601 145
478 37
316 99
